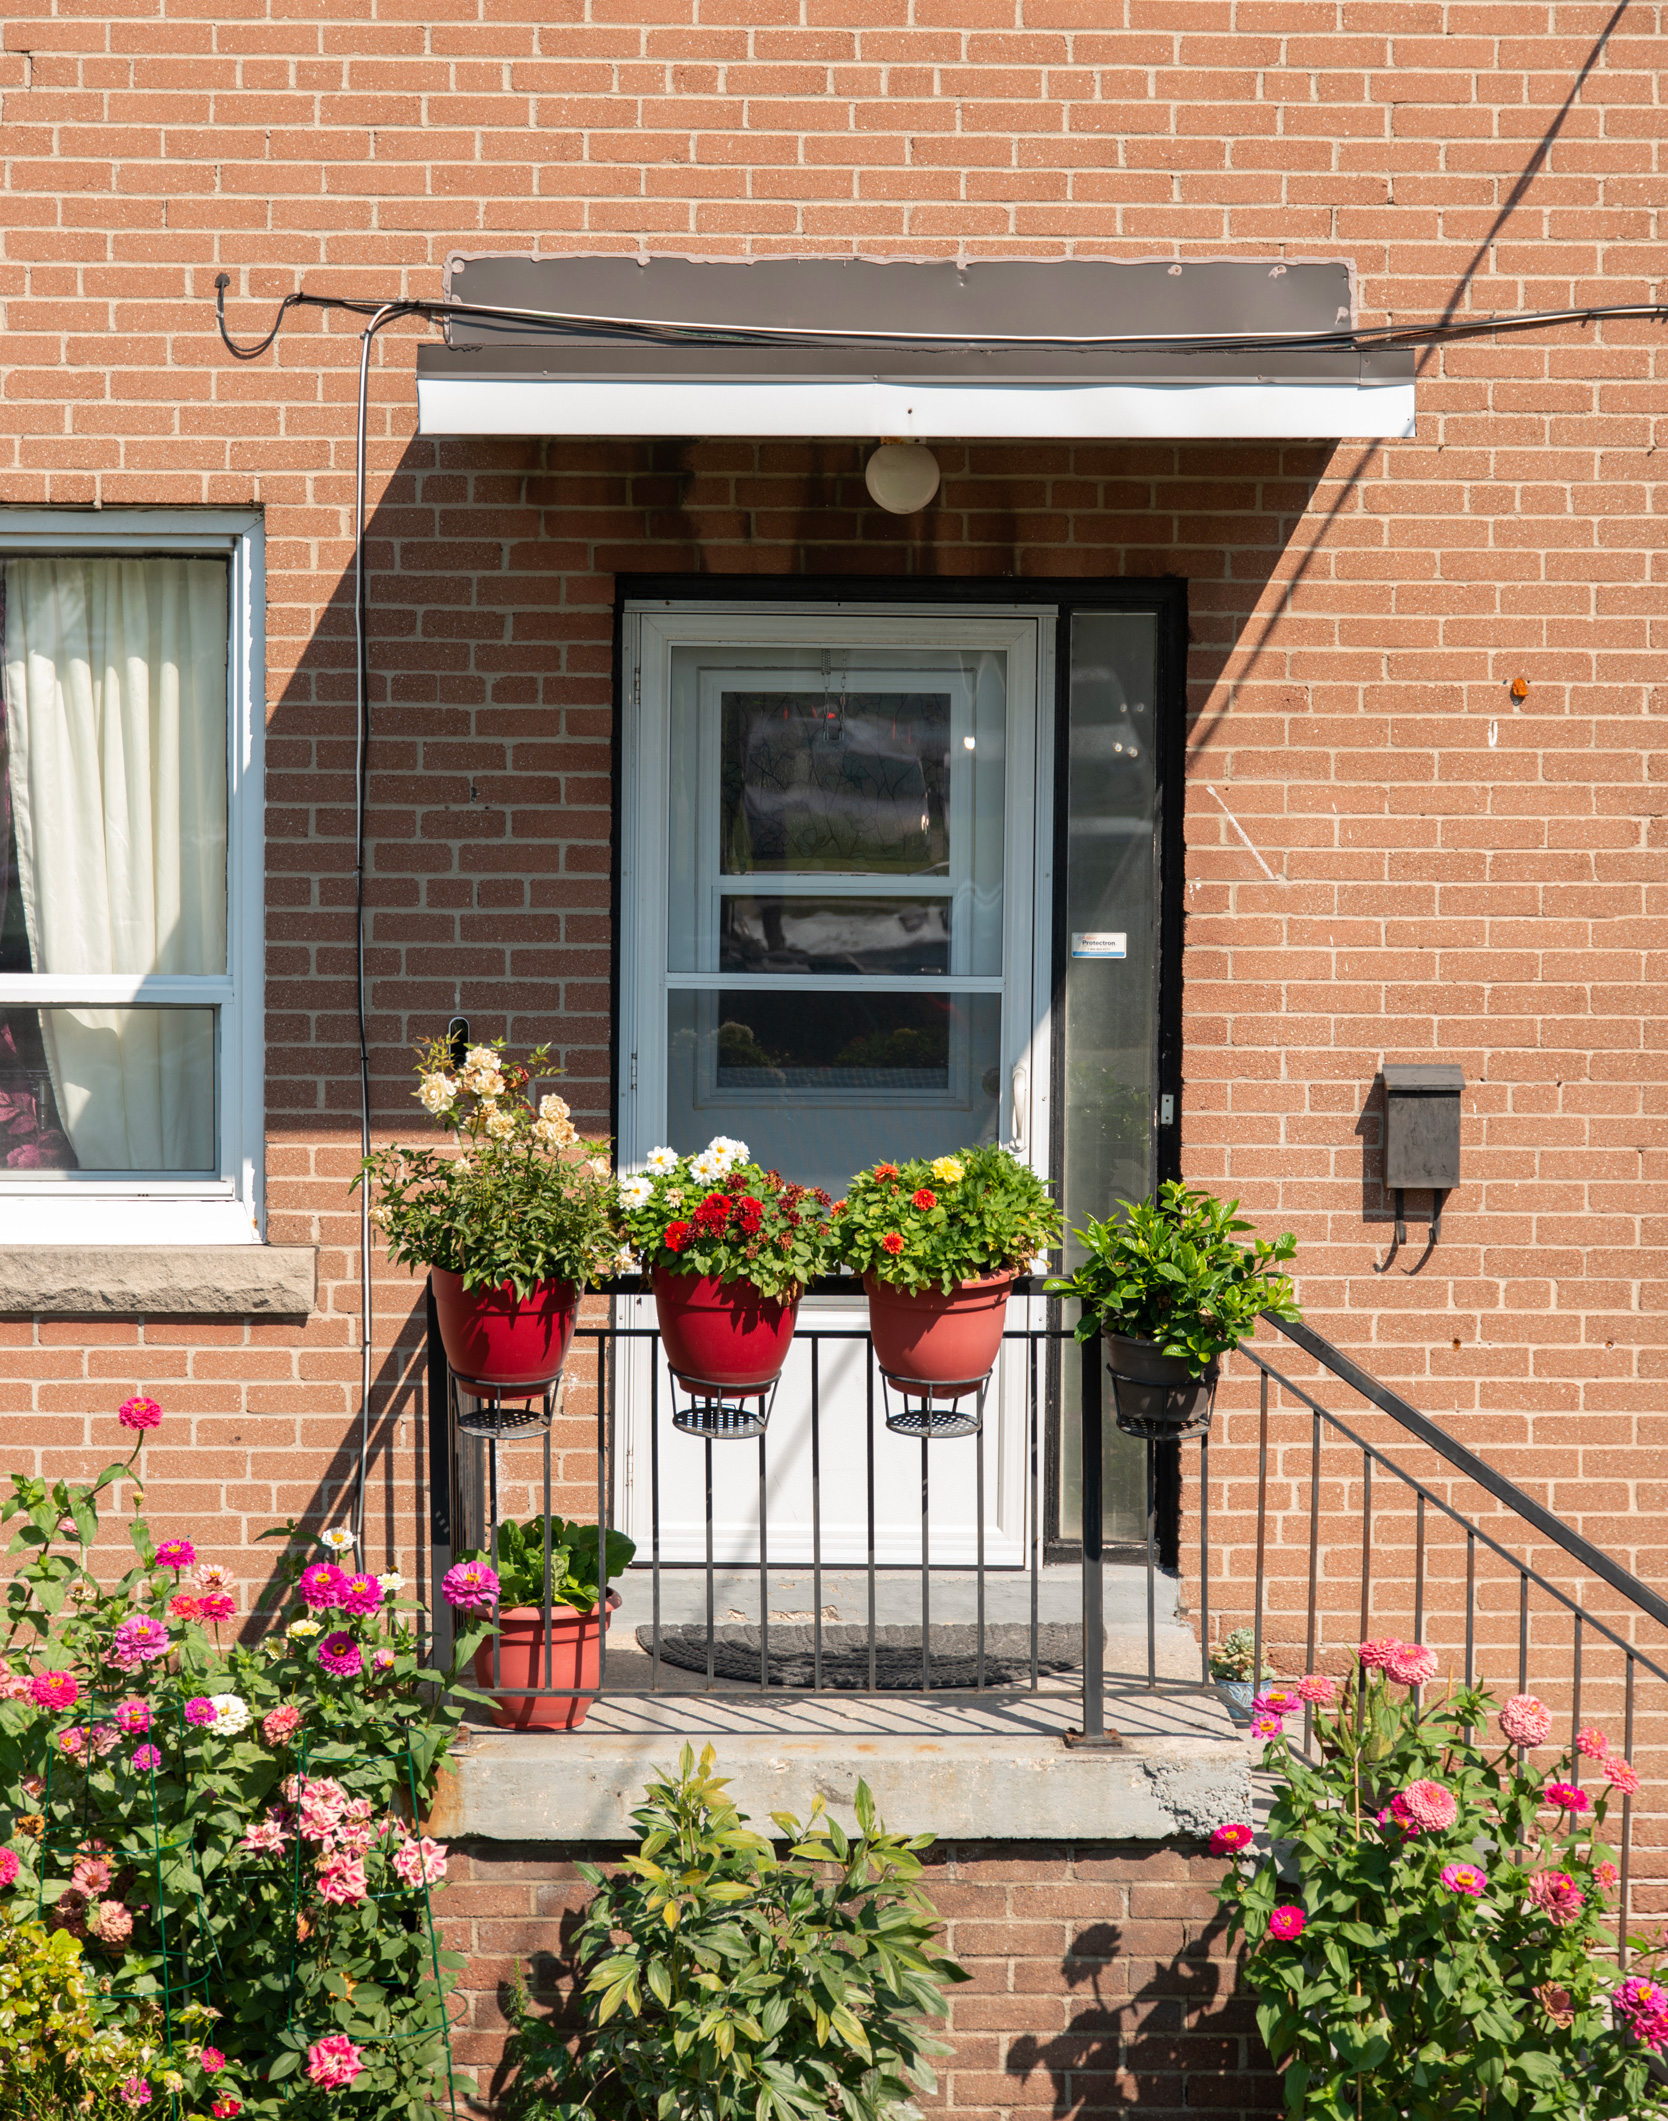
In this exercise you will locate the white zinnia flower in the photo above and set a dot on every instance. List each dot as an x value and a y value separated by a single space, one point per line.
231 1714
303 1628
662 1160
393 1581
338 1539
636 1192
438 1092
553 1108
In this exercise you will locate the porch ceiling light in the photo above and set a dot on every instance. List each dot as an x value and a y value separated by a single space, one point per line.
902 477
904 350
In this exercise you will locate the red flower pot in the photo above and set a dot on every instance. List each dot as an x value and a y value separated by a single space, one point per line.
926 1337
723 1332
500 1342
575 1660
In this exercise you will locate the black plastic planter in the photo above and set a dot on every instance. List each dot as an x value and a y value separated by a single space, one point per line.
1157 1395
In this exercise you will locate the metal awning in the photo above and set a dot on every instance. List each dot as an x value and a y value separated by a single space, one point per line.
857 347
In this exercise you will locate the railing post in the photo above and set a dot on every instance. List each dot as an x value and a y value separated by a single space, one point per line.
1094 1731
439 1392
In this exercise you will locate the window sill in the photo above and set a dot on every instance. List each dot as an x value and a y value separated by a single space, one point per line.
157 1281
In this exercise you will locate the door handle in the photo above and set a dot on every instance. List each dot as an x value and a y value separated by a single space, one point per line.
1017 1084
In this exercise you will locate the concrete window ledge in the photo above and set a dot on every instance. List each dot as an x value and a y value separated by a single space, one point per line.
158 1281
1013 1785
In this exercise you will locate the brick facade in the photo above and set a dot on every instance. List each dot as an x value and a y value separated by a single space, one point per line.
1098 1975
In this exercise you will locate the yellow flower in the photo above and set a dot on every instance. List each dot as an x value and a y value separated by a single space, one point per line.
946 1170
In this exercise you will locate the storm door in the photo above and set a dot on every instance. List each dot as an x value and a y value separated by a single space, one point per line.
830 888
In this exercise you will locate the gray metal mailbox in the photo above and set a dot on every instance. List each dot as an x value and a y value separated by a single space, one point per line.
1422 1133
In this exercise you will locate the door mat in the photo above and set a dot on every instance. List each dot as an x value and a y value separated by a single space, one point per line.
897 1655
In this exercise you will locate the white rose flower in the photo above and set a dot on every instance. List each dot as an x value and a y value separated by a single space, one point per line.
636 1192
231 1714
600 1165
553 1108
481 1060
662 1160
500 1125
626 1261
438 1093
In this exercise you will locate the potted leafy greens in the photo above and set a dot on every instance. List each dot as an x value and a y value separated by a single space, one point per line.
938 1244
572 1589
729 1248
1233 1665
511 1225
1171 1292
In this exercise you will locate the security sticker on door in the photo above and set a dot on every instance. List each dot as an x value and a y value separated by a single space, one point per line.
1100 942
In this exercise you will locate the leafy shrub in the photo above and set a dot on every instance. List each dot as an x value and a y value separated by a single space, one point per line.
1172 1274
748 1986
523 1200
935 1223
573 1562
232 1825
720 1214
1433 1939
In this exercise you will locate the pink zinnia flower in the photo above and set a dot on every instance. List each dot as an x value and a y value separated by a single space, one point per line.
342 1878
1229 1840
146 1757
1287 1923
55 1690
265 1837
216 1606
360 1594
200 1711
211 2059
110 1922
176 1554
1526 1720
1565 1797
382 1661
1591 1743
1266 1727
139 1413
333 2062
280 1725
424 1862
90 1876
470 1584
1557 1896
1606 1876
215 1576
1317 1689
1376 1655
1621 1775
133 1716
8 1866
1399 1812
1411 1664
136 2090
14 1686
72 1743
339 1653
1431 1807
1276 1701
138 1641
1464 1878
321 1586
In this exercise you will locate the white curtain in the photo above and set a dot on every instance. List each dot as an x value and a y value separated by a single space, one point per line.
115 700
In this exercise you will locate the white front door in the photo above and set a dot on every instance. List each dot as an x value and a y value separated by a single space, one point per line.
832 880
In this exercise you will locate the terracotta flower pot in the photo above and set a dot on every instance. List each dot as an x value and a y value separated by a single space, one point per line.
499 1341
575 1660
723 1332
926 1337
1156 1394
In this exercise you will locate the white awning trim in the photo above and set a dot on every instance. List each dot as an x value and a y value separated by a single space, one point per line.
876 408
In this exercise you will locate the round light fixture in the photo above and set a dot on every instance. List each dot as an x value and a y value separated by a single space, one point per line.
902 477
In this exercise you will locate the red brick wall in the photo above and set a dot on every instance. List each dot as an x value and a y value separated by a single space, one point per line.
1099 1975
1451 874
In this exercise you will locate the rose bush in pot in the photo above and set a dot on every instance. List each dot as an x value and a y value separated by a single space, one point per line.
511 1223
938 1243
1171 1292
729 1248
522 1587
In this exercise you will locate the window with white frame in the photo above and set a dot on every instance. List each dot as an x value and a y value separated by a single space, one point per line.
130 937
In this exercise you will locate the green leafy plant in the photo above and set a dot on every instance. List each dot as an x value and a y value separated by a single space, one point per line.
935 1223
59 2056
720 1981
1433 1938
574 1580
229 1830
521 1199
720 1214
1171 1273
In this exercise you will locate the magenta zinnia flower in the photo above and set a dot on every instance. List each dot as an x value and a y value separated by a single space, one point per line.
1287 1923
138 1641
8 1867
339 1653
1431 1807
133 1716
55 1690
1557 1896
139 1412
1526 1720
470 1584
1464 1878
1565 1797
176 1554
321 1586
145 1758
1643 2006
200 1711
1276 1701
360 1594
1229 1840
